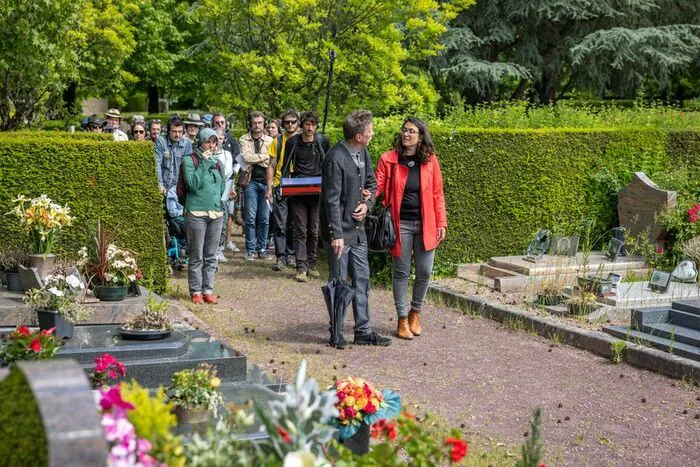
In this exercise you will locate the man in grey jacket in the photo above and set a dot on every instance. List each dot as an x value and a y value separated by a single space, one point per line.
348 188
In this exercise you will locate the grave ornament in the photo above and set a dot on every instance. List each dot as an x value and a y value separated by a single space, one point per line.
538 246
614 249
685 272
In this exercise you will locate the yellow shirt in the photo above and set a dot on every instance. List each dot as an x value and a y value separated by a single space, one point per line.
280 163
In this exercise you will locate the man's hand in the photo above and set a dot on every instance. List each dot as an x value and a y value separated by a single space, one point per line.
338 244
360 212
441 234
366 194
268 193
162 190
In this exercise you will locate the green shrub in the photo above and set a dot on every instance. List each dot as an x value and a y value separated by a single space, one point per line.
96 179
21 428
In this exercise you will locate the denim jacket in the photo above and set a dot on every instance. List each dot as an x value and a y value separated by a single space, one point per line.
168 159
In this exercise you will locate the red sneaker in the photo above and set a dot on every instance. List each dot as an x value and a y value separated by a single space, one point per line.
210 298
197 299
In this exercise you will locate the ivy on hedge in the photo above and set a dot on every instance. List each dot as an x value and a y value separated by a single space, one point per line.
112 181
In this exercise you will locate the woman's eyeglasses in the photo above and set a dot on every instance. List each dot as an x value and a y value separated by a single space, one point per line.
139 132
409 131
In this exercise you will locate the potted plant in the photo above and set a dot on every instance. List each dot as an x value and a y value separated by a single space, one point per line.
10 262
56 303
41 219
360 406
194 393
23 344
109 269
151 323
582 304
107 371
551 293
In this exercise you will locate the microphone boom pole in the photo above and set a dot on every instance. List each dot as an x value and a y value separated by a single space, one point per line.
331 54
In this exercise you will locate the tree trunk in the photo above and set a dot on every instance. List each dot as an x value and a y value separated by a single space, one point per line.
69 97
153 97
519 92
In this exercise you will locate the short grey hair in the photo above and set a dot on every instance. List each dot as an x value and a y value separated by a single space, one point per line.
356 122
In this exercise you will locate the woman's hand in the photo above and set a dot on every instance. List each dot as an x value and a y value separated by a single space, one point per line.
441 234
207 154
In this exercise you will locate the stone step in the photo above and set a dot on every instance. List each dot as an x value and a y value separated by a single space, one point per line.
679 348
478 279
494 272
689 306
673 332
681 318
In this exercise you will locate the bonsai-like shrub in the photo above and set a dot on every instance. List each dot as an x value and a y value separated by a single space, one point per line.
153 317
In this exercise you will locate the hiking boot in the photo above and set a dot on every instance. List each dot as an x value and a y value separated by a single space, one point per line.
250 257
197 298
301 276
230 246
312 272
402 329
372 339
210 298
414 322
220 257
280 265
340 345
264 256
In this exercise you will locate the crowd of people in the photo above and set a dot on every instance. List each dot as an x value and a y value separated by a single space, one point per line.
211 181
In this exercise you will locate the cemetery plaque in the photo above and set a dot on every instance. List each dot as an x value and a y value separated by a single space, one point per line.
564 246
538 246
660 280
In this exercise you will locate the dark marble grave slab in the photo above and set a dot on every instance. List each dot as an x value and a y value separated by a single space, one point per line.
679 348
681 318
689 306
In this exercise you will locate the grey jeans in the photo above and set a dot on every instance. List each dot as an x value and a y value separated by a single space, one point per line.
354 260
202 243
411 241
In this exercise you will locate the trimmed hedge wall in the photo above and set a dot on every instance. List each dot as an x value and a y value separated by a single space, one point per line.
97 179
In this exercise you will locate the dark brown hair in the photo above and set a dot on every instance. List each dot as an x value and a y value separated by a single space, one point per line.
425 145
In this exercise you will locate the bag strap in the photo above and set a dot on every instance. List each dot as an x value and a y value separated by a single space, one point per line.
388 186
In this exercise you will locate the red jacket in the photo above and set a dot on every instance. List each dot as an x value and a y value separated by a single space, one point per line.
432 198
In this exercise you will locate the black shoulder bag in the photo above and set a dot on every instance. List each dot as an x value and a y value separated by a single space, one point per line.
381 235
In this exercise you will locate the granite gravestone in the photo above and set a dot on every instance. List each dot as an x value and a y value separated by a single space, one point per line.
29 278
564 246
538 246
639 204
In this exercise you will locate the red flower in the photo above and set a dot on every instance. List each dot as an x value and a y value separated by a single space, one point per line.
35 345
23 331
542 465
284 434
367 390
459 448
378 429
350 412
660 251
392 431
48 332
370 408
341 396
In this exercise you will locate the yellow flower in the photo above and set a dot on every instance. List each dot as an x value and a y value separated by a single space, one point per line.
215 382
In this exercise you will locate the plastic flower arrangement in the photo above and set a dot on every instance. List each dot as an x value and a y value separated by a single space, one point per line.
196 388
107 369
359 403
59 293
41 219
23 344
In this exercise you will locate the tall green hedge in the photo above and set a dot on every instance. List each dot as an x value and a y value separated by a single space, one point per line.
112 181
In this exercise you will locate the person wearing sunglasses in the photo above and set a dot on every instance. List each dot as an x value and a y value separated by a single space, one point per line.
410 179
138 131
281 225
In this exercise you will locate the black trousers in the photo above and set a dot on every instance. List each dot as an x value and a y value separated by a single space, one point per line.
305 221
281 227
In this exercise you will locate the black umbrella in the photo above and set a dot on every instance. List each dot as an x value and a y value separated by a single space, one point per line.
338 295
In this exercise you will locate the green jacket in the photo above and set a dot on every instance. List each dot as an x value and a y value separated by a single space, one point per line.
205 185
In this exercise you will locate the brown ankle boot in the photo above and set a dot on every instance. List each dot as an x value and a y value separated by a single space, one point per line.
402 330
414 322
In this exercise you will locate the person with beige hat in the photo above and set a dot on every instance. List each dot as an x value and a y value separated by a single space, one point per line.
193 123
114 120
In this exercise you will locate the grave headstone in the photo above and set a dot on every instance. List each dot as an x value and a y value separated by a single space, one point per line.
29 278
639 204
538 246
564 246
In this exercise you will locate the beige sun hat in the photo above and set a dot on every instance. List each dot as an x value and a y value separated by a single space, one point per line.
114 113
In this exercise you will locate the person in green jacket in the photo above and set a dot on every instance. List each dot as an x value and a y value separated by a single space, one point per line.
204 215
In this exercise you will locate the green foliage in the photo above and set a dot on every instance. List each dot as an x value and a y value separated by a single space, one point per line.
617 351
196 388
531 450
21 428
22 344
153 420
108 180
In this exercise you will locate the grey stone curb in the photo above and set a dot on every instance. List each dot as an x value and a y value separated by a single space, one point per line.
594 341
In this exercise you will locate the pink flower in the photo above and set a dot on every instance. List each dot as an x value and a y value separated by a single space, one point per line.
35 345
350 412
113 398
48 332
370 408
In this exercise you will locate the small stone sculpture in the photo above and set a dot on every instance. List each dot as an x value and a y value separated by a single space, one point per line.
685 272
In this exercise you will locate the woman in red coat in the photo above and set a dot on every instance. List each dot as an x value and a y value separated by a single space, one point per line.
409 177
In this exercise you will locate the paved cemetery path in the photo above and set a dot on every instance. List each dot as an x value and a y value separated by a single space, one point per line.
470 371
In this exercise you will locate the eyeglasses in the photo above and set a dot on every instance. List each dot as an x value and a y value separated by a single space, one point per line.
409 131
156 120
138 132
290 122
219 122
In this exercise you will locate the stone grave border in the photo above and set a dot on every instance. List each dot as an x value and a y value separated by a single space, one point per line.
594 341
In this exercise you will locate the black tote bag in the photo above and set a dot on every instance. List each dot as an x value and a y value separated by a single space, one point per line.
381 234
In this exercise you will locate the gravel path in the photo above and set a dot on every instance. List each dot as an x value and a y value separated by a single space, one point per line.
471 371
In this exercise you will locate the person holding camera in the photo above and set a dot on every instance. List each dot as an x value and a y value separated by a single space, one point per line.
205 182
409 176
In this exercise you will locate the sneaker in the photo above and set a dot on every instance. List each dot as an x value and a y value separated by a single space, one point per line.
312 272
270 244
340 345
264 256
197 299
291 262
230 246
301 276
372 339
210 298
280 265
220 257
250 257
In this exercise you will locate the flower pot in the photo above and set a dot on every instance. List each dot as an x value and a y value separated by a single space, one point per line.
44 264
359 442
191 416
111 293
13 283
53 319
